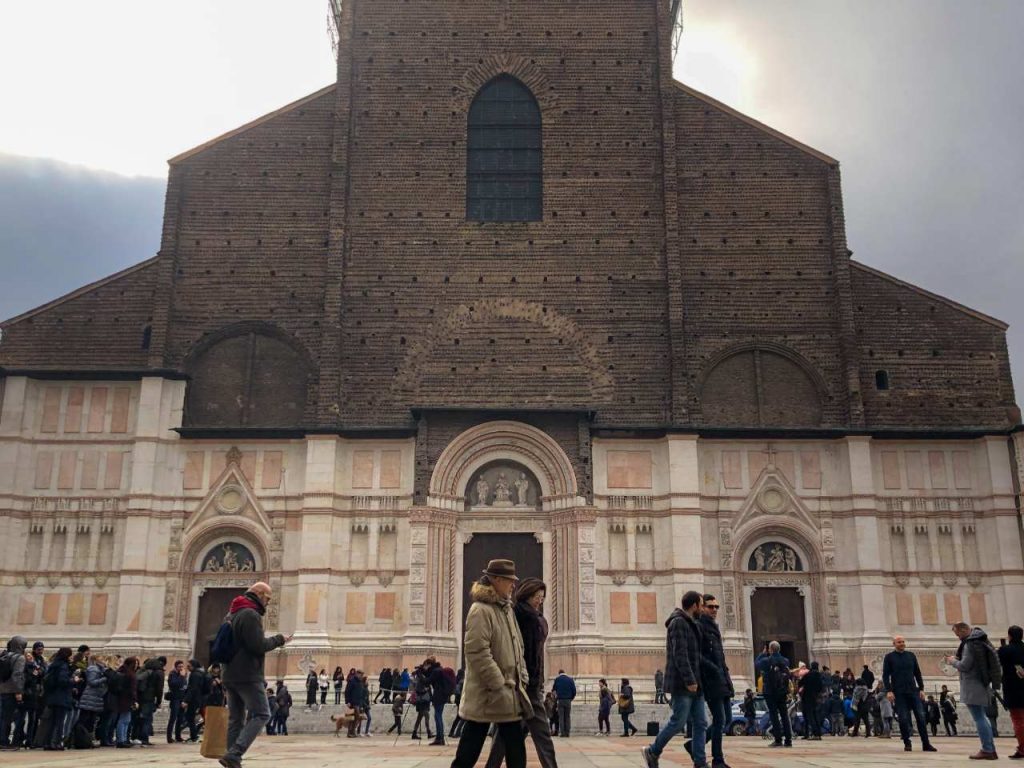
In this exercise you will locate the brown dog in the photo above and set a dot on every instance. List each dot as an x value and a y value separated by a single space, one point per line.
345 721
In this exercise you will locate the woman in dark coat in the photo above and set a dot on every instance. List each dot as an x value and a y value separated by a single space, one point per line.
57 696
93 700
1011 658
339 683
125 692
312 686
626 707
529 604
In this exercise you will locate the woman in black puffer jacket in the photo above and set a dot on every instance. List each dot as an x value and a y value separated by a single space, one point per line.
57 692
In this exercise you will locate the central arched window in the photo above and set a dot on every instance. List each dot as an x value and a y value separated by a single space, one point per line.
504 168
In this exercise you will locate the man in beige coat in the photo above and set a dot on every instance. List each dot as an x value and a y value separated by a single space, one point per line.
496 678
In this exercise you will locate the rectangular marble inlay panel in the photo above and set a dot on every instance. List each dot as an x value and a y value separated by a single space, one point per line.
629 469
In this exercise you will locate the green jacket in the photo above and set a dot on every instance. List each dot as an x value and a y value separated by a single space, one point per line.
496 678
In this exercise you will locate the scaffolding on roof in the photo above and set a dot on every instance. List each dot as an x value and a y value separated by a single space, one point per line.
677 25
334 24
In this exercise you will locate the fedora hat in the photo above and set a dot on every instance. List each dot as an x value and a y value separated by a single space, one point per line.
503 568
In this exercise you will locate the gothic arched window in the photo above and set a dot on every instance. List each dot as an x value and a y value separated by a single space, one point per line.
504 158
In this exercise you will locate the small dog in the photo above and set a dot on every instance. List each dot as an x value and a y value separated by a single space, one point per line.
344 721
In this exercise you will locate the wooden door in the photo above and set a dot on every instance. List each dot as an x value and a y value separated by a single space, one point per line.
777 613
522 548
213 607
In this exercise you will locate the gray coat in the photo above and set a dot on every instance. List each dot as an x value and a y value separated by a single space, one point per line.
974 687
16 646
95 692
251 646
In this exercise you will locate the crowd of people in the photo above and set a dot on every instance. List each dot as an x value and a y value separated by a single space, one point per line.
84 699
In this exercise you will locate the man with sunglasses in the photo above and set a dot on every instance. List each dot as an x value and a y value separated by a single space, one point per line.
243 676
714 672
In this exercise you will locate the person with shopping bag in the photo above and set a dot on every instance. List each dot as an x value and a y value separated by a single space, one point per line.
243 674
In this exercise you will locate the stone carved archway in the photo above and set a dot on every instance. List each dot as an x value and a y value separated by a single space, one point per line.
193 580
508 440
562 523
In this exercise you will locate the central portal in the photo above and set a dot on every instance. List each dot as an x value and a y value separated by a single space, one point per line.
522 548
777 613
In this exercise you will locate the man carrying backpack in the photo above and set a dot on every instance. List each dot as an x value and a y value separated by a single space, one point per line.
12 687
150 687
243 674
980 671
775 674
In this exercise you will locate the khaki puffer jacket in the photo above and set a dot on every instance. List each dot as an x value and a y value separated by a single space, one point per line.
495 686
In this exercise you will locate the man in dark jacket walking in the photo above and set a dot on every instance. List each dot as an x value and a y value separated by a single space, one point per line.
176 682
196 688
901 677
150 692
683 681
1011 659
565 691
811 687
243 675
714 673
12 690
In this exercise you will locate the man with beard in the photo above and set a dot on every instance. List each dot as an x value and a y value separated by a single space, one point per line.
714 673
683 681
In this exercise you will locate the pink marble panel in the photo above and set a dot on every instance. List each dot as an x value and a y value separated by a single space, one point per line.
891 470
73 413
66 470
97 409
44 469
785 462
732 469
51 409
937 469
810 469
629 469
272 463
904 609
390 469
119 416
114 470
977 609
953 607
915 470
961 469
90 470
619 608
362 469
192 477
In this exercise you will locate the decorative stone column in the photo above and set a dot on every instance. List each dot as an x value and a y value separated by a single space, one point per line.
432 582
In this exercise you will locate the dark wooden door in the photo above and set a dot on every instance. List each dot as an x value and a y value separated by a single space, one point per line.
213 607
777 613
522 548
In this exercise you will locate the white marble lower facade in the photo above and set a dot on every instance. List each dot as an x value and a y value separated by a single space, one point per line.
113 531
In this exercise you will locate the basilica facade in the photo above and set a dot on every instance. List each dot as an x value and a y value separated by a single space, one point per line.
508 289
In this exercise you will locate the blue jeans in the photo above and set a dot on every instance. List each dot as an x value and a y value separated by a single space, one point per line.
984 727
123 719
682 706
438 721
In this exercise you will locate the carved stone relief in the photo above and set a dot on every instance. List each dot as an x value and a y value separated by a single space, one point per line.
774 557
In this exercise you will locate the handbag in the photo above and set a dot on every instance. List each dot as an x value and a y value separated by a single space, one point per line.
624 701
215 733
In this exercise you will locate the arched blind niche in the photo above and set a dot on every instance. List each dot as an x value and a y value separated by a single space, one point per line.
504 158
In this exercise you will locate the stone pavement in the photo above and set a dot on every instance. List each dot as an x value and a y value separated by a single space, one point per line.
320 751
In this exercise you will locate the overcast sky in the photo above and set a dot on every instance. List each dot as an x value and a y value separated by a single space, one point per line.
920 100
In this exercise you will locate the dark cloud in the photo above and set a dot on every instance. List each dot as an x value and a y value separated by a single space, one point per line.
62 226
920 101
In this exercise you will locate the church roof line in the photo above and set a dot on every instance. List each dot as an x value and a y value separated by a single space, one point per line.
929 295
827 159
252 124
89 287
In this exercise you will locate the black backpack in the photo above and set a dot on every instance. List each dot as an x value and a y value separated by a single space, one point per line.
776 679
6 666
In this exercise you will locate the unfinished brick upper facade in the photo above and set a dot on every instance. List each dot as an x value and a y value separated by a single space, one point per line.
673 231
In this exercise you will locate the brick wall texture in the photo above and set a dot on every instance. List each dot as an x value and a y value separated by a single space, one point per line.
691 266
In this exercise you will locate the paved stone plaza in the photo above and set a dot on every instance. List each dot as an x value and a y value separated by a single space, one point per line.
314 751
